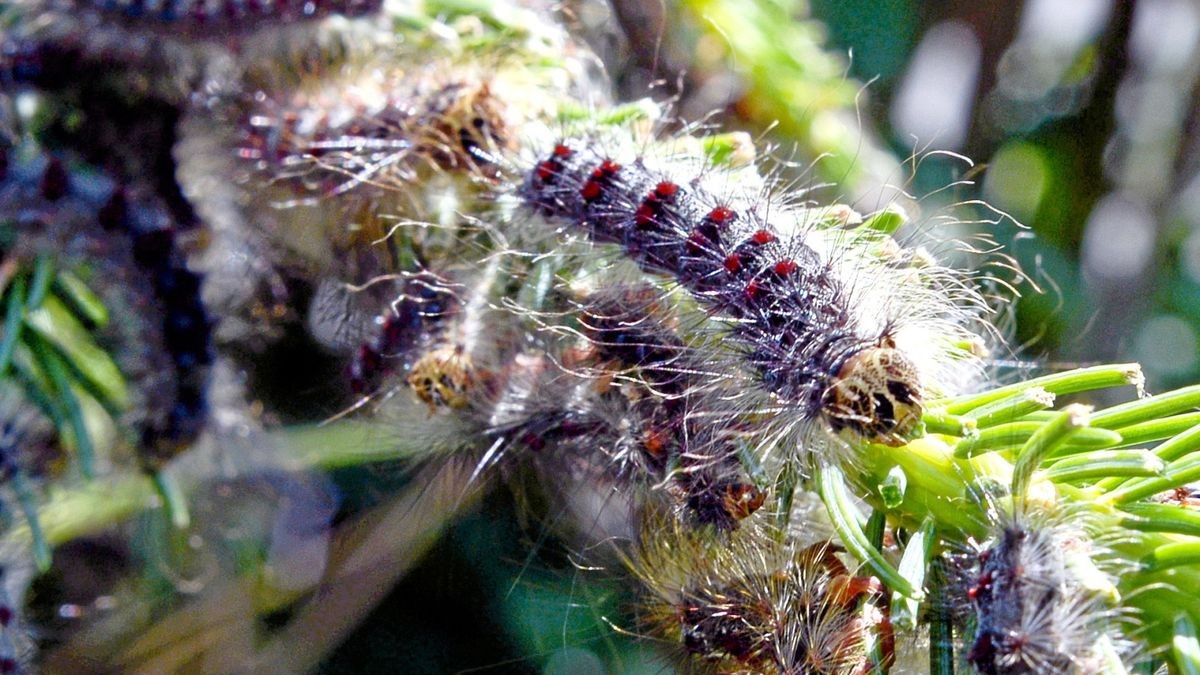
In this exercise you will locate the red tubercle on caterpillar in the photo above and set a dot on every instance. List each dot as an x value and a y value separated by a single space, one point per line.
982 585
607 169
732 263
546 169
551 167
706 237
652 206
753 291
762 238
646 213
591 191
602 176
721 216
785 268
666 190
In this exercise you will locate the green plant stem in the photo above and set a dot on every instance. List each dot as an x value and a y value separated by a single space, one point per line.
1052 434
832 488
1070 382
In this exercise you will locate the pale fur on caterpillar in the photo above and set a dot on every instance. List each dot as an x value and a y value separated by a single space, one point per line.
1038 594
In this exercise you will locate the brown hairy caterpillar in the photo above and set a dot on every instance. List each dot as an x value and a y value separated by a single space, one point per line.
332 165
755 604
627 330
619 407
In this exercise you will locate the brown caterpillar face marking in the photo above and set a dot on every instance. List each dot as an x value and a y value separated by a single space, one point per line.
443 378
877 394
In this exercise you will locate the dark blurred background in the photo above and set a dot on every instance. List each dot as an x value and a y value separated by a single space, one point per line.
1082 118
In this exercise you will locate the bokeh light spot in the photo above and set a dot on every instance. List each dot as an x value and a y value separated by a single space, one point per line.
1016 180
1166 346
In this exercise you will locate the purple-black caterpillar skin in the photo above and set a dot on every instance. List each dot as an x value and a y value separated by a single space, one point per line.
186 326
789 310
426 302
205 19
44 194
9 662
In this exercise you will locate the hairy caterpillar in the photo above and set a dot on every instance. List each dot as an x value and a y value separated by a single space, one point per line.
325 160
1038 596
713 313
175 44
425 302
826 327
754 604
620 406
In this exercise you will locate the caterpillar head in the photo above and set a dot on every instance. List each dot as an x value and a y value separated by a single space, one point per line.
877 393
443 377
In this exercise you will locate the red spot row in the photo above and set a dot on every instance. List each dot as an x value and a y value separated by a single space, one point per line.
707 235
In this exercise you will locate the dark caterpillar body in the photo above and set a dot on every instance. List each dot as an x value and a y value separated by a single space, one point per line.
736 622
186 326
1030 612
309 143
752 605
239 15
212 20
788 309
160 332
